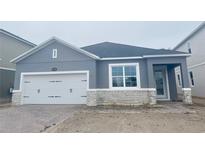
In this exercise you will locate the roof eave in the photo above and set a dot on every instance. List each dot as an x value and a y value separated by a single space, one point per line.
146 56
190 35
29 52
17 37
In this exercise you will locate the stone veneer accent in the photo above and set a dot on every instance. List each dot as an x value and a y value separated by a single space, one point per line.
121 97
16 98
187 97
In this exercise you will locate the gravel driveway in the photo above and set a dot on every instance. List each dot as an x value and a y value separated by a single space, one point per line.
165 117
34 118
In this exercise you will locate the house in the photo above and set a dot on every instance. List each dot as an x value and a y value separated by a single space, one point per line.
56 72
194 44
10 47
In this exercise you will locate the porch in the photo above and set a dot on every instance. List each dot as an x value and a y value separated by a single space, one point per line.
161 76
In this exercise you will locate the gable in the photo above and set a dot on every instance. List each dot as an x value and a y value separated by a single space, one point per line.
64 54
10 48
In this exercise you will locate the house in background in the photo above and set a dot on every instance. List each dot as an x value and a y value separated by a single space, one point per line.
194 44
56 72
10 47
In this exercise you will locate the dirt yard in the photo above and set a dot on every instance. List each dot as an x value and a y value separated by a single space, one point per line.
162 118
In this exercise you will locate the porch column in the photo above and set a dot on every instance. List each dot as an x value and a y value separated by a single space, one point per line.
187 97
150 73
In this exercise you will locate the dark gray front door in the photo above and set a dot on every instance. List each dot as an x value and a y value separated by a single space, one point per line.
160 74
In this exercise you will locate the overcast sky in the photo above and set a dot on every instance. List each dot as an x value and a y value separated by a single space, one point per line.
145 34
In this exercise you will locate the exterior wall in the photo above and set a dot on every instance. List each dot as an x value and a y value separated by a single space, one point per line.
172 82
9 49
6 82
67 60
103 72
121 97
173 61
198 58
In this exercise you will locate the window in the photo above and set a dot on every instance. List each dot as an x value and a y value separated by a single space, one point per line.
124 75
179 80
55 53
191 78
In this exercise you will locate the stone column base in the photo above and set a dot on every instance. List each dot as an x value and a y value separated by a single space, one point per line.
16 97
187 97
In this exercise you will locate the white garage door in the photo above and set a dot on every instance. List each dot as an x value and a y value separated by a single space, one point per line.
54 89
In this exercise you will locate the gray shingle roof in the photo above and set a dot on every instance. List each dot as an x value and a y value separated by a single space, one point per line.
109 50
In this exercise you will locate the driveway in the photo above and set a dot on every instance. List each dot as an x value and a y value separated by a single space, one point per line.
164 117
34 118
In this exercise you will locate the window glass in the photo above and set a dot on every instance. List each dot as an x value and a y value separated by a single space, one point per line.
191 78
124 76
117 81
130 82
179 79
117 71
130 70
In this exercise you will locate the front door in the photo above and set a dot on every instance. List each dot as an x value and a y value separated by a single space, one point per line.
161 80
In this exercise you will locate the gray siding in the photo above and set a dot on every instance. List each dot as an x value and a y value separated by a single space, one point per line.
181 61
6 82
9 49
196 63
67 60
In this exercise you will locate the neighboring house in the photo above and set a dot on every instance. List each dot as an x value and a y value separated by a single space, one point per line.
10 47
194 44
56 72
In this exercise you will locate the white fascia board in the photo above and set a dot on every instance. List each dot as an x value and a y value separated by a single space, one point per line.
121 89
76 48
29 52
147 56
121 58
190 35
168 55
9 69
17 38
197 65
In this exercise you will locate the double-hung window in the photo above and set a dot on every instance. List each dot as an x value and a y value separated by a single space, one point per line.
124 75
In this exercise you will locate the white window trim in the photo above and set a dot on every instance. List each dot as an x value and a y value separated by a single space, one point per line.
55 53
125 64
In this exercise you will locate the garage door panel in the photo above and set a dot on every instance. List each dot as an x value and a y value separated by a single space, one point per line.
54 89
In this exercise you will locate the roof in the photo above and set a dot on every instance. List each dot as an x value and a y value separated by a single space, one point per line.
107 51
16 37
112 50
195 31
49 41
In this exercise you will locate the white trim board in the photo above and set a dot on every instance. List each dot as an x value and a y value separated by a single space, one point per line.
196 65
146 56
16 37
9 69
127 89
49 41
